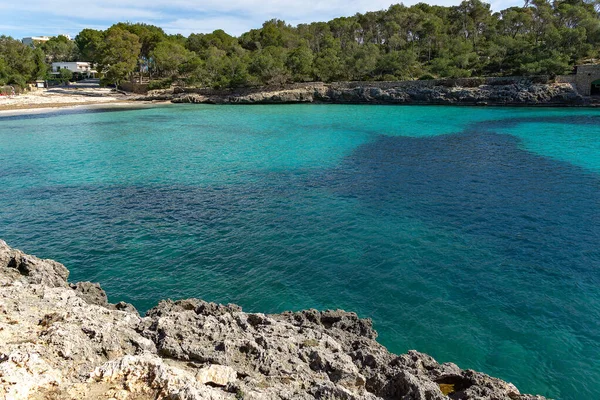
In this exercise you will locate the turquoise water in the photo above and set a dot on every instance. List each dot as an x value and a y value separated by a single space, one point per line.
468 233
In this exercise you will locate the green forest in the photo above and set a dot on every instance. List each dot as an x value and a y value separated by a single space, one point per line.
401 43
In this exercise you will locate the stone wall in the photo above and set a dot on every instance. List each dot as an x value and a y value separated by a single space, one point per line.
566 79
134 87
582 79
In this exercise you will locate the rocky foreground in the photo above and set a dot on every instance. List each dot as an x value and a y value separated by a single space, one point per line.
468 91
65 341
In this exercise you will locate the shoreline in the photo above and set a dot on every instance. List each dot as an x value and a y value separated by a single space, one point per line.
521 92
35 109
512 93
39 109
72 97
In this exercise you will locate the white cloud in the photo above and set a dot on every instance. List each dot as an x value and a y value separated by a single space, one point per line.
185 26
81 10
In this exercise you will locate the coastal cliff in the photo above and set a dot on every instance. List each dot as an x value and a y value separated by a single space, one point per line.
468 91
60 340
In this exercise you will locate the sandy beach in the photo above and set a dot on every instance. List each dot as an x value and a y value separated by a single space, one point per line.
69 97
62 96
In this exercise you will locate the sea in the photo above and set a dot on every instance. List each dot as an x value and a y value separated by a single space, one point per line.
468 233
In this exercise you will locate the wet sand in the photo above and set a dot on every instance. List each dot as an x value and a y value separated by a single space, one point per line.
49 100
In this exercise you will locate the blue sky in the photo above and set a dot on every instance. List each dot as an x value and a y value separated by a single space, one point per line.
52 17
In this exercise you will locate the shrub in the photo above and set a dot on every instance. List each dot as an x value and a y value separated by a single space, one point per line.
389 78
65 75
105 82
160 84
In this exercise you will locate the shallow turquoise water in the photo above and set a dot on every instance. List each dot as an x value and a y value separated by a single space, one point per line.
468 233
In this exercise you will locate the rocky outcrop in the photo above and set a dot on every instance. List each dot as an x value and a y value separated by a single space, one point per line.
65 341
476 91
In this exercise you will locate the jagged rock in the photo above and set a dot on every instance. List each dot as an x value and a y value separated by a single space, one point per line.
92 293
60 341
23 370
513 92
219 375
45 272
122 306
148 374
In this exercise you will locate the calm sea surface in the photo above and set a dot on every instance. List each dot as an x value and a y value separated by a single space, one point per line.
471 234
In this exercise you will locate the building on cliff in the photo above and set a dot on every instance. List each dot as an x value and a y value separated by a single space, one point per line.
586 79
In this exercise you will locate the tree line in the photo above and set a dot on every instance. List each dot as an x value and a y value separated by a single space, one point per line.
417 42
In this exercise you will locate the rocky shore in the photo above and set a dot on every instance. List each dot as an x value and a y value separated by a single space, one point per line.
60 340
474 91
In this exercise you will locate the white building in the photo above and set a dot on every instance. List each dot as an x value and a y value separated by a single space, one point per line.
83 68
31 40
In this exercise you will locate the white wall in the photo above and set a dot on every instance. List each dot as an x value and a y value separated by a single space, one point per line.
81 67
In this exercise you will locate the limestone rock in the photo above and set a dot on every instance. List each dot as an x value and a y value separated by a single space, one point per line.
148 374
510 91
92 293
61 341
45 272
23 371
215 374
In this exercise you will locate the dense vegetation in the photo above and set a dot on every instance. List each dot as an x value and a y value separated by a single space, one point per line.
401 42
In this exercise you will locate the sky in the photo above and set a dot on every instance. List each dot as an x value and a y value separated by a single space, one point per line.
53 17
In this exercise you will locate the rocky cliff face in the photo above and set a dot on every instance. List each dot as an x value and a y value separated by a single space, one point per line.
517 93
65 341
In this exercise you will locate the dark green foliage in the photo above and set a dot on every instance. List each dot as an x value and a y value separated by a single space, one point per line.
89 43
149 36
268 65
168 56
300 63
41 68
401 43
160 84
119 54
65 75
59 49
199 43
328 65
18 63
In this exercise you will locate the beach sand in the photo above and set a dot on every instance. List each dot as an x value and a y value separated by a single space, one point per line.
47 100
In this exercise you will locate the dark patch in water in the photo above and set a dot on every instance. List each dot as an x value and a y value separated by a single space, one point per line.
563 119
203 207
480 184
